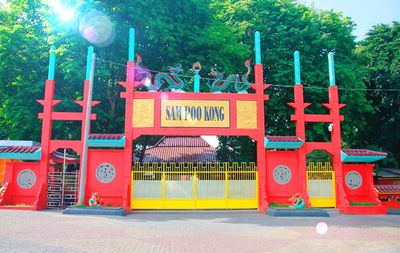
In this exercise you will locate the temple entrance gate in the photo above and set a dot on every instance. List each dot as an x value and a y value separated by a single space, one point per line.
62 189
321 184
194 186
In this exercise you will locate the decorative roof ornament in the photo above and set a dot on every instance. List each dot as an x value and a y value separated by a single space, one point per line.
240 85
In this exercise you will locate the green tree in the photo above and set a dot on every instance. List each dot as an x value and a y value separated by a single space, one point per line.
285 27
167 32
381 62
23 52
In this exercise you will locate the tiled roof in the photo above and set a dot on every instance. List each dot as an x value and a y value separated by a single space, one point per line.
182 141
363 152
388 172
180 154
58 157
106 136
20 149
388 188
284 138
180 149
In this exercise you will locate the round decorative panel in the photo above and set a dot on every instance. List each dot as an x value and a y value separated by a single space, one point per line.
26 179
353 180
282 174
105 173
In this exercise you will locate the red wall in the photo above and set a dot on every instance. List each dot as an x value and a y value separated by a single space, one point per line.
112 193
19 195
281 193
361 194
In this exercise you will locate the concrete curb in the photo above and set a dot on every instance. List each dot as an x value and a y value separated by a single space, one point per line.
283 212
95 211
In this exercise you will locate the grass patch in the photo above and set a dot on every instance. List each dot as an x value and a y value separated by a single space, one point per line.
362 204
79 206
278 205
83 206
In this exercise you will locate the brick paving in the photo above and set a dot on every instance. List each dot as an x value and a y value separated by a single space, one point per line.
213 231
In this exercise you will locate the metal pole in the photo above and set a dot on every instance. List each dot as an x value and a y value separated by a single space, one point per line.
82 184
63 178
64 159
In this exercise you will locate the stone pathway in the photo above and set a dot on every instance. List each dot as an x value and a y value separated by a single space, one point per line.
201 231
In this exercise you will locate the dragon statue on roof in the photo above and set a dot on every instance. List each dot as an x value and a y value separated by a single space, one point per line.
240 85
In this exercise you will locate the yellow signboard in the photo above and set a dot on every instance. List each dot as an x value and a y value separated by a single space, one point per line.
246 114
143 113
194 113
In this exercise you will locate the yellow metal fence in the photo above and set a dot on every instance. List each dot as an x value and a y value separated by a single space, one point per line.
321 184
194 186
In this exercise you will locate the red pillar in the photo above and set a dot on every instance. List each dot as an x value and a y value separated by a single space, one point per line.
48 104
334 108
299 117
127 170
262 170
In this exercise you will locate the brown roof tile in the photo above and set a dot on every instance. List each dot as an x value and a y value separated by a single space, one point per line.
388 188
180 149
182 141
105 136
363 152
180 154
19 149
283 138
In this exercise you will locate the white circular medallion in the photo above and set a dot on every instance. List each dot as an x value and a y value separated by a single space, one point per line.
282 174
26 178
353 180
105 173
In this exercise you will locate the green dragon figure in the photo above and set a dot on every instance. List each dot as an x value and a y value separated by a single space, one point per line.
240 86
172 79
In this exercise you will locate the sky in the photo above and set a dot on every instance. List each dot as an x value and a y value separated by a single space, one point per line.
365 13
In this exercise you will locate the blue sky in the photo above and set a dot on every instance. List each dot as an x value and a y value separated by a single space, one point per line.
365 13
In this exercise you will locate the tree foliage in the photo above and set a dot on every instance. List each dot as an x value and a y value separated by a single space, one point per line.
285 28
381 66
23 50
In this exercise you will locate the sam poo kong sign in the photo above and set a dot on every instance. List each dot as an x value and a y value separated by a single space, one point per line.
174 113
194 113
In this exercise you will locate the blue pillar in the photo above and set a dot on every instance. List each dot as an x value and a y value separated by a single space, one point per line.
196 82
257 47
52 63
331 61
131 44
89 61
297 77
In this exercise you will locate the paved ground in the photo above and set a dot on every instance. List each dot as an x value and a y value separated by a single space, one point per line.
233 231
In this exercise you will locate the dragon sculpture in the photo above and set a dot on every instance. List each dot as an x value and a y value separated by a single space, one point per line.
95 200
172 78
297 201
240 86
144 77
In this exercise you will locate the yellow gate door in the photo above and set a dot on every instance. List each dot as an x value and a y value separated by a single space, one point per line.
321 184
194 186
